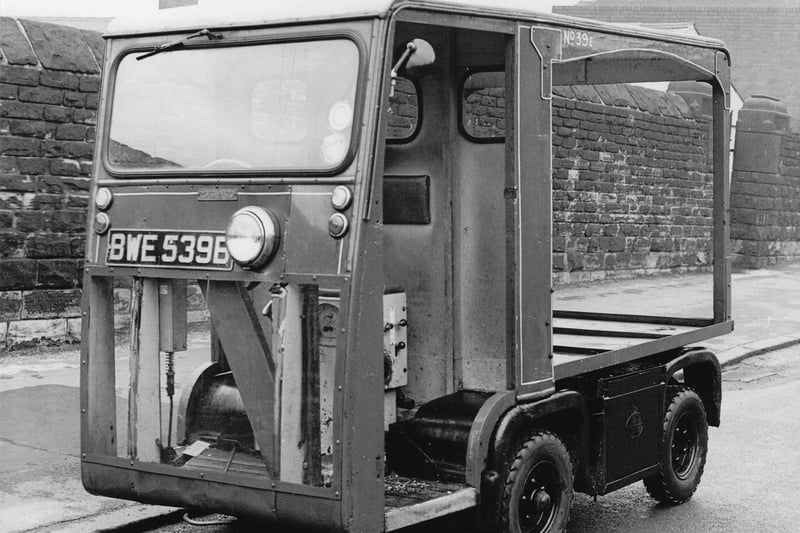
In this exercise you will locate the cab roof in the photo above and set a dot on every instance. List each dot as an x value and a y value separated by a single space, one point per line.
221 14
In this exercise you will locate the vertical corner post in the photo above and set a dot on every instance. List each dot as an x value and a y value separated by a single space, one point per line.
721 191
98 398
529 198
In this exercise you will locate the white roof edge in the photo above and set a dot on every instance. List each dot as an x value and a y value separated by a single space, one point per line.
241 13
233 13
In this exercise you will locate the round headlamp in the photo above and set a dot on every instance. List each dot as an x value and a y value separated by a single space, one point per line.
103 198
252 236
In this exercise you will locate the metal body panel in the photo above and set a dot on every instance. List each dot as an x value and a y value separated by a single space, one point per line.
722 215
632 419
530 173
478 256
312 249
240 498
417 257
482 431
358 366
302 212
201 16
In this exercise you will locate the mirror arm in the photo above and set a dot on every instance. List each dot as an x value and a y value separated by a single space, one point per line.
410 49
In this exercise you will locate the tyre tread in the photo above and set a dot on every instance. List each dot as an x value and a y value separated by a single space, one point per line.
514 465
657 486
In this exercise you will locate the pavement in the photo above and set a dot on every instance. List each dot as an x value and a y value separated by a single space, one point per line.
39 433
764 305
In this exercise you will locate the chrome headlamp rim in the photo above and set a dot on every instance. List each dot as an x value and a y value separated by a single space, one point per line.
269 234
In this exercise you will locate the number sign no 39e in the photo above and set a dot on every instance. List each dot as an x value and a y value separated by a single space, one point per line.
579 39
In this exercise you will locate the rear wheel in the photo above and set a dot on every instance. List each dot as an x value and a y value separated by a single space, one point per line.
684 446
538 490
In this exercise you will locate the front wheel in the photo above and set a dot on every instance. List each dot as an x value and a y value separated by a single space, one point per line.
684 445
538 490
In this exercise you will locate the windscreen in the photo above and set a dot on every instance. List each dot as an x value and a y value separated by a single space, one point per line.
276 106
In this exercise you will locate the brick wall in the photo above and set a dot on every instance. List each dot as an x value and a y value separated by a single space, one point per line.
632 187
49 80
651 212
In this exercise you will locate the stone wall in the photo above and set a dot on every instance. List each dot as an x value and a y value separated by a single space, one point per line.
632 184
765 226
49 80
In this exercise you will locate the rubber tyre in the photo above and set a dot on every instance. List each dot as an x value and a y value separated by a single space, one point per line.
683 449
538 490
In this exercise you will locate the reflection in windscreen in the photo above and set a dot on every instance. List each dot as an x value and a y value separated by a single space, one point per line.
286 106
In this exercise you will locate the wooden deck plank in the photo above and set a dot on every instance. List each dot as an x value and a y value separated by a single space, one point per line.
397 488
569 362
623 327
101 428
594 342
144 413
400 517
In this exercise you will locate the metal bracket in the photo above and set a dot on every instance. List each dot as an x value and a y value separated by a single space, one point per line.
723 74
547 43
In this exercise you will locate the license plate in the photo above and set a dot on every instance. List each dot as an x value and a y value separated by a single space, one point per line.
167 248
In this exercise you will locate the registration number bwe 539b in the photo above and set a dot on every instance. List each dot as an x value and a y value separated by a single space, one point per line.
167 248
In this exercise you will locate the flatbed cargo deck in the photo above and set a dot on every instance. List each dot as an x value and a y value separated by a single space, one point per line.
586 342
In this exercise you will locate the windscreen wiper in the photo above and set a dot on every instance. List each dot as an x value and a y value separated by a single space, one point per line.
180 42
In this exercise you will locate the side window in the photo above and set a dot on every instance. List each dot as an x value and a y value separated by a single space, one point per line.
483 107
404 111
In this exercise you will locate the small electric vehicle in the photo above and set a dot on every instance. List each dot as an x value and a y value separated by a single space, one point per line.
383 348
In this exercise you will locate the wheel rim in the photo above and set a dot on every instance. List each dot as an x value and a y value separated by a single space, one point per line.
684 446
540 499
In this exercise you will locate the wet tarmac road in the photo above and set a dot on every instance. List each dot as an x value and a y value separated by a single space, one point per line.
751 481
